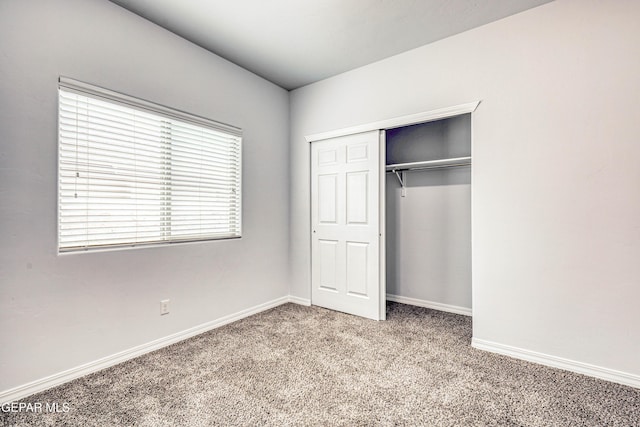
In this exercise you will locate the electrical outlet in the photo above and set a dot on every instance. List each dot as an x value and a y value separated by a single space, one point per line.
164 307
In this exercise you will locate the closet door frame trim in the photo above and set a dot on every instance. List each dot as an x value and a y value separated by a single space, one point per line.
411 119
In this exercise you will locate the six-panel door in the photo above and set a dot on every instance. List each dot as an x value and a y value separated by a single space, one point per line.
345 224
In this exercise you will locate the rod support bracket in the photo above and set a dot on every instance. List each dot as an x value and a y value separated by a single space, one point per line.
402 179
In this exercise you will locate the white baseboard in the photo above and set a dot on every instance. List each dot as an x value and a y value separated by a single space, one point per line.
430 304
300 301
559 362
37 386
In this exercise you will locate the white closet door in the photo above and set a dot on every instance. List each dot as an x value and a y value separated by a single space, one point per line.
345 222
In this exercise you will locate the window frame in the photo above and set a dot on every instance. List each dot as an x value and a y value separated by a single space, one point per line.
105 95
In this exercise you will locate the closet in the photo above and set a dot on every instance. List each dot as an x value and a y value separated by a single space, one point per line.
428 214
391 213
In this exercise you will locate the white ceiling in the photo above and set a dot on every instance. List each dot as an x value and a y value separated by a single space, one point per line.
296 42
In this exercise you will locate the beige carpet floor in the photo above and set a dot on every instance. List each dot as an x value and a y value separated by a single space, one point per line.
297 366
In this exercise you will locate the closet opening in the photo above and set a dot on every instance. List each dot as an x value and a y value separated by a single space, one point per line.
428 214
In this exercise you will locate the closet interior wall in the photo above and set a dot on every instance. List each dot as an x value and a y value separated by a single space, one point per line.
428 246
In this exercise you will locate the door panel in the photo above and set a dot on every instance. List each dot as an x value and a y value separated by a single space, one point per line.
345 218
357 152
328 257
328 193
357 263
327 157
357 197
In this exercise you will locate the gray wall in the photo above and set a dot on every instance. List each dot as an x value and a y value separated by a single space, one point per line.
429 230
555 203
58 312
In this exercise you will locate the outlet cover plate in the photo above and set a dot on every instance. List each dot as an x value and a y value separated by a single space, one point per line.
164 307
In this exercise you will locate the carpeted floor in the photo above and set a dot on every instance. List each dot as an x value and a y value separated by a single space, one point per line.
296 366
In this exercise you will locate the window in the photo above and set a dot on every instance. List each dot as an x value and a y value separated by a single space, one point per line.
134 173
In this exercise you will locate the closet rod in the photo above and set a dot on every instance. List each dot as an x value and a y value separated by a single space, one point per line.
429 164
399 169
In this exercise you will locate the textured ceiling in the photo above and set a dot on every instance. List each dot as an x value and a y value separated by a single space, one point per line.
296 42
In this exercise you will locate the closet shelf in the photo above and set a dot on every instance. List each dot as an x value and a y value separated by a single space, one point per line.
429 164
400 168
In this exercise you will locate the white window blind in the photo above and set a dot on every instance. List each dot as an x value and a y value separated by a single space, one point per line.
132 172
